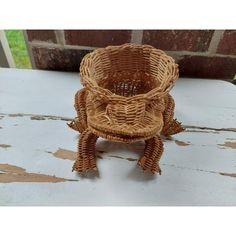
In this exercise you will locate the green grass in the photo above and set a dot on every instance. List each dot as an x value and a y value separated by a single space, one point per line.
18 48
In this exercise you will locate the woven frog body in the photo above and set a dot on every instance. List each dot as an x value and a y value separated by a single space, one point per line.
125 99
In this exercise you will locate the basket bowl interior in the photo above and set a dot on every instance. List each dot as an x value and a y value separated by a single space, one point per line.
128 71
129 83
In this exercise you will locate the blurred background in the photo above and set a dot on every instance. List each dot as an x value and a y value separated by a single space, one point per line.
199 53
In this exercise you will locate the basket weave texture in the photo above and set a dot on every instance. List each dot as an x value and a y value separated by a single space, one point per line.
125 99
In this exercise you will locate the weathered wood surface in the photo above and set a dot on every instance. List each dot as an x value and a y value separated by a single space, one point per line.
37 148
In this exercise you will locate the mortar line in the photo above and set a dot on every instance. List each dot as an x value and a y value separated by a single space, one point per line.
190 53
60 37
60 46
174 53
136 36
218 34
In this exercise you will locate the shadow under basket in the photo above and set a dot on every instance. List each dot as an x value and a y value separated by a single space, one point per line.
125 99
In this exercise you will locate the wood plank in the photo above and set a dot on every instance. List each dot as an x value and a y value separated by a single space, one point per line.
198 166
6 59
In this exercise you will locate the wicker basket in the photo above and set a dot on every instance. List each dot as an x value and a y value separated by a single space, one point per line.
125 99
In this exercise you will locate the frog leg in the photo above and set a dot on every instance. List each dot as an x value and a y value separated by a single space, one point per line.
86 156
152 155
171 125
80 122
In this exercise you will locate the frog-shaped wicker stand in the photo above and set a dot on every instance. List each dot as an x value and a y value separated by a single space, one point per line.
125 99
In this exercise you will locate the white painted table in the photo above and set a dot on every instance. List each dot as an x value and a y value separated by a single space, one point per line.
37 148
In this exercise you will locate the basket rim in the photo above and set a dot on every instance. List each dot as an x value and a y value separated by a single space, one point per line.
158 92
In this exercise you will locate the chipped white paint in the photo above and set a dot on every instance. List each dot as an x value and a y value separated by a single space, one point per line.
191 173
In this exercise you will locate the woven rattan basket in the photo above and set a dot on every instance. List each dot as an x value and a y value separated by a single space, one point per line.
125 99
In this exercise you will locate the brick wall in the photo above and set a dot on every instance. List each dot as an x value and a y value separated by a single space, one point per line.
199 53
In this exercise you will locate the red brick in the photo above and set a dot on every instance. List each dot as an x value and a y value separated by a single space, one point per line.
227 44
58 59
97 38
178 40
42 35
207 67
